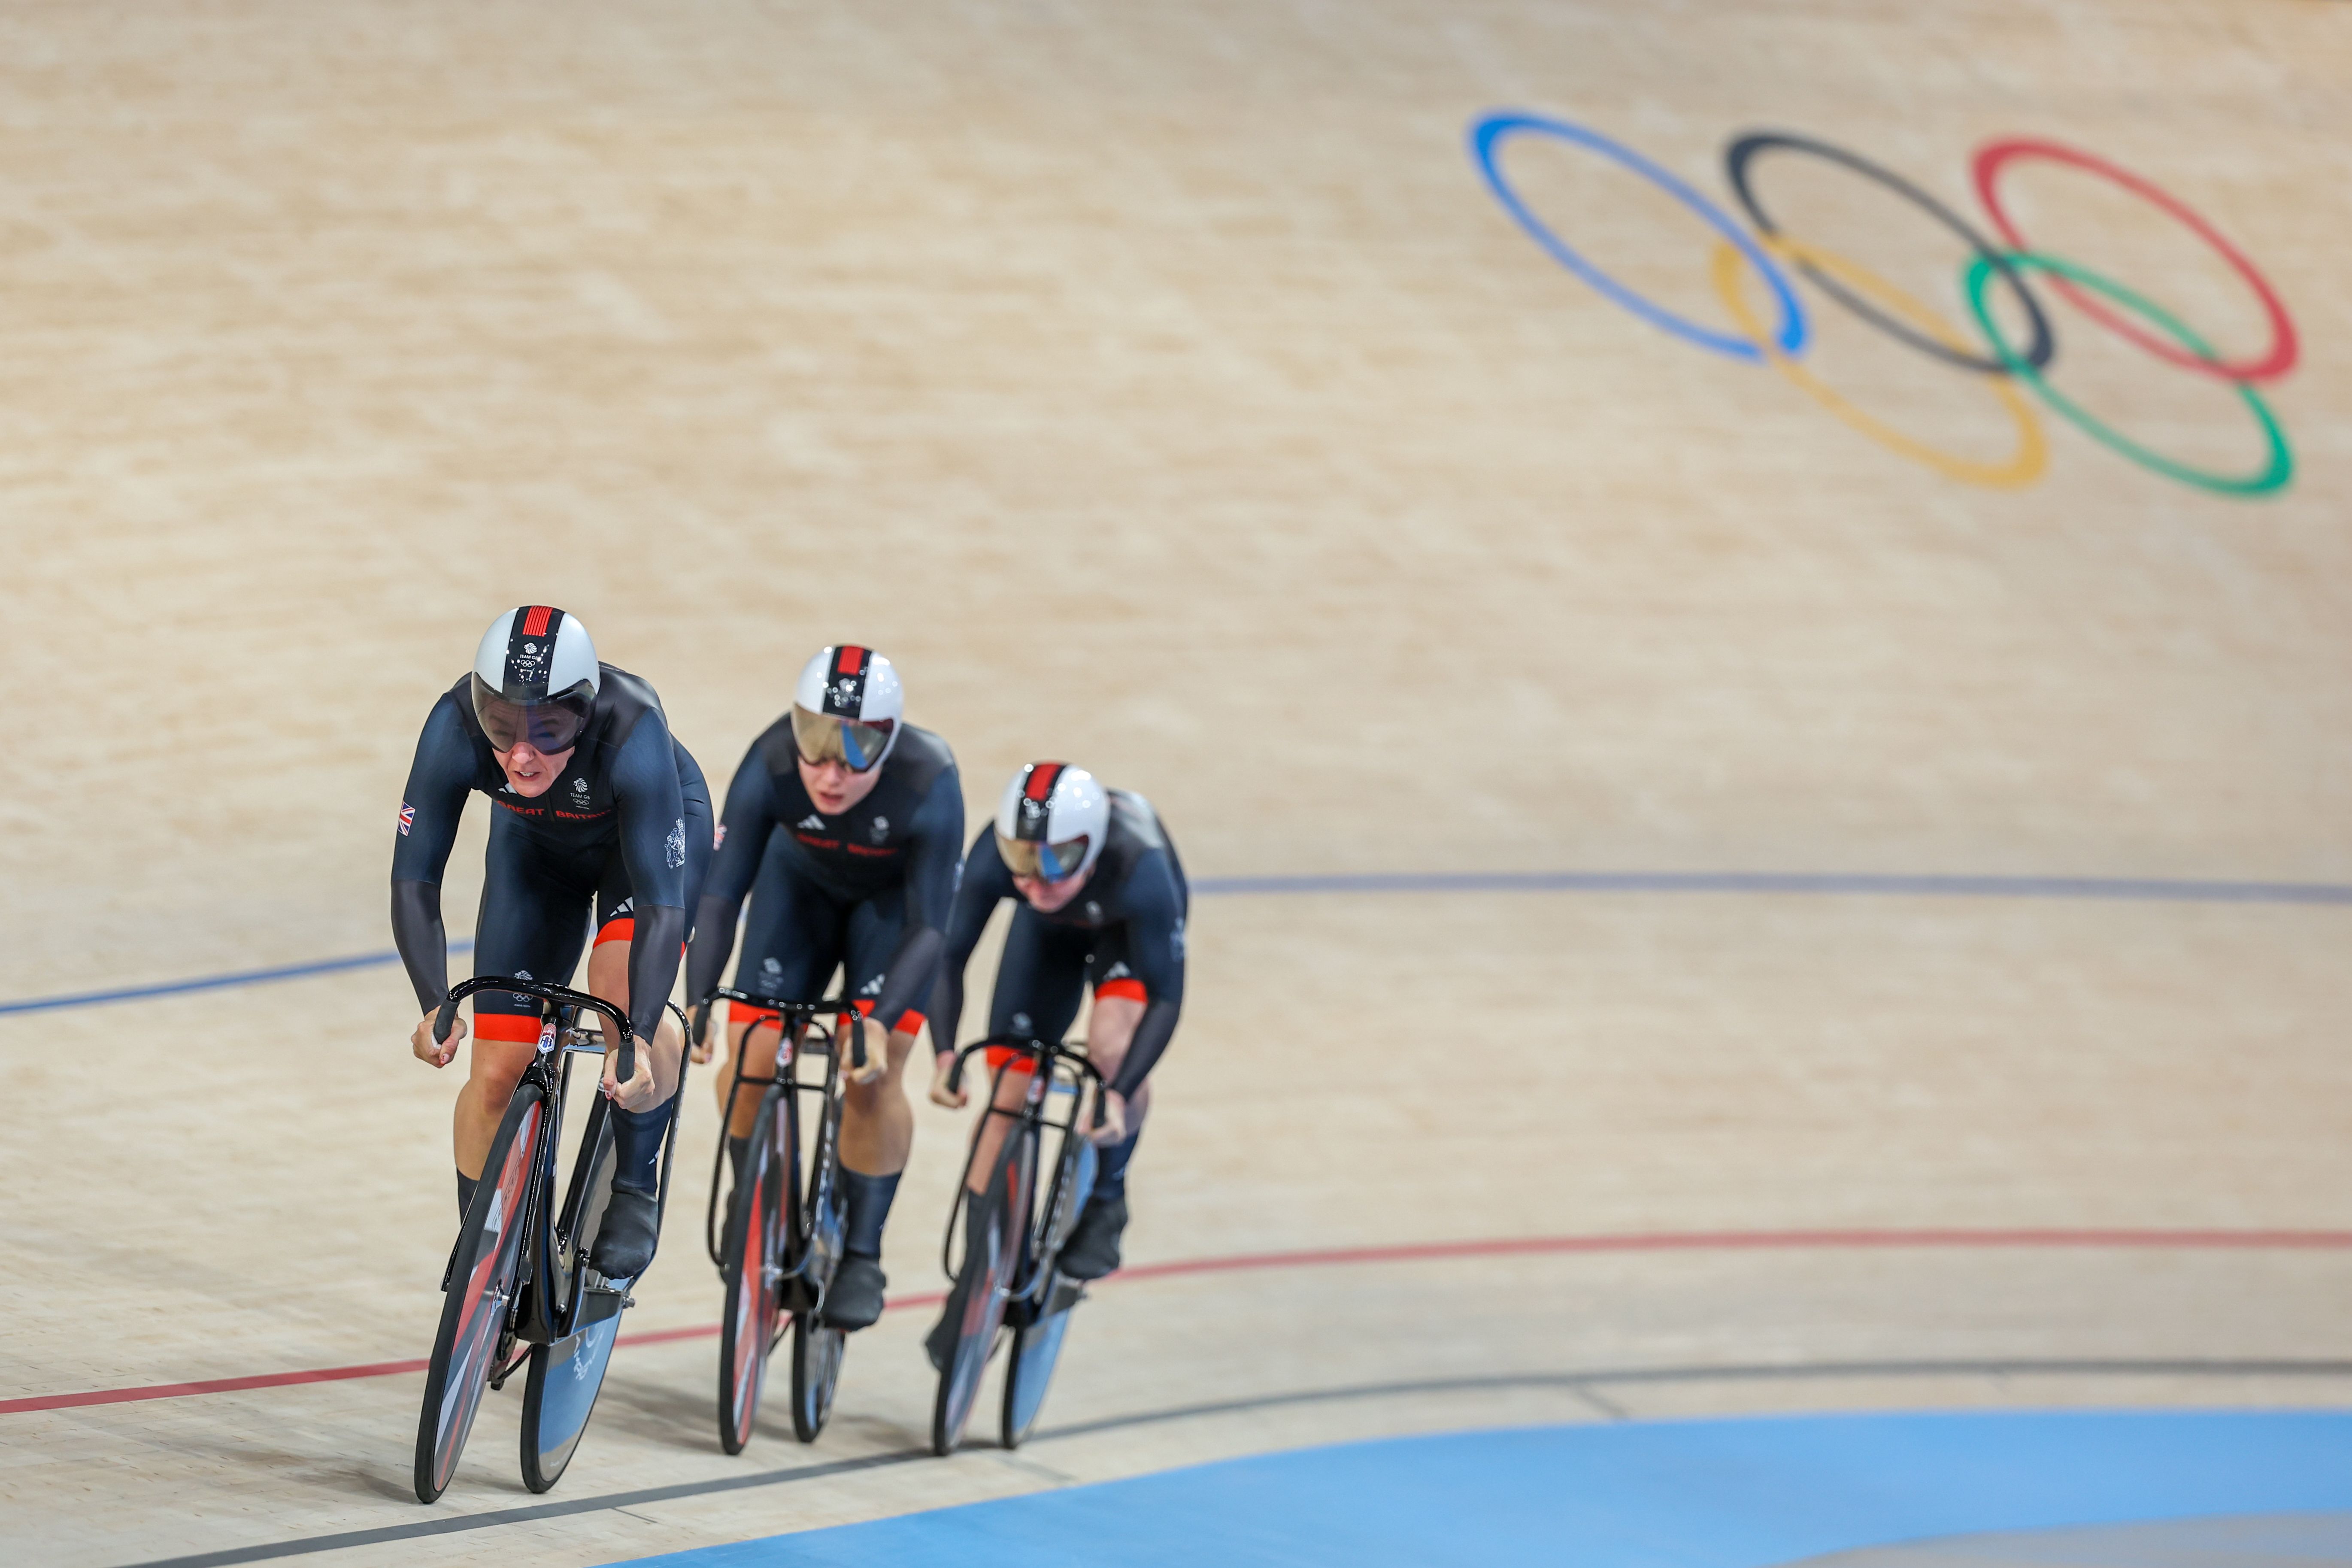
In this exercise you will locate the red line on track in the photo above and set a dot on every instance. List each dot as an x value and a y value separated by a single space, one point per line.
1656 1241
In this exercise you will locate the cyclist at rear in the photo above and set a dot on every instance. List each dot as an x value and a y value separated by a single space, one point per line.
601 821
1102 906
843 823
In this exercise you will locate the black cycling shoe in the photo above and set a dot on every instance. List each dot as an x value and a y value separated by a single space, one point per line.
941 1341
854 1299
1092 1250
625 1242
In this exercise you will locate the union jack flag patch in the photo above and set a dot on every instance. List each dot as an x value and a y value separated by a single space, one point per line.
407 818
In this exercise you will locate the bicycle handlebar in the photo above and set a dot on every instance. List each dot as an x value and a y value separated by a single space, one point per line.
561 995
841 1006
1049 1052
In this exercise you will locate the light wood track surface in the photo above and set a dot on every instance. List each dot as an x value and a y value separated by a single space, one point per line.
1161 388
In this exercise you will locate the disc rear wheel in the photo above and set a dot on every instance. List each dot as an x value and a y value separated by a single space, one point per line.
480 1295
567 1376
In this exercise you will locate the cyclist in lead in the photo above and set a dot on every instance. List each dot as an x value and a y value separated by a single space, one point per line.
1102 906
843 823
601 821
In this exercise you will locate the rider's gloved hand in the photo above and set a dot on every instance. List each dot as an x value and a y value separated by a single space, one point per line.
953 1099
640 1092
699 1047
877 1041
1113 1126
441 1054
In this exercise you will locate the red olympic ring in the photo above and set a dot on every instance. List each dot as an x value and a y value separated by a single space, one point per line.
1994 156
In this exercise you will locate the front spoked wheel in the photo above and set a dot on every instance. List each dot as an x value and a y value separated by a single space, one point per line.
753 1313
483 1275
992 1247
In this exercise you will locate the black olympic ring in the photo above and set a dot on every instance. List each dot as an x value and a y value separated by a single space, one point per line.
1743 150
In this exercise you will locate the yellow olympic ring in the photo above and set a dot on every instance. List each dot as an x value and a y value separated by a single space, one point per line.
2033 452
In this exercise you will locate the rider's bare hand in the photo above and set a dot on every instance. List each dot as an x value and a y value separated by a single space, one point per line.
701 1046
953 1099
639 1092
1113 1126
421 1040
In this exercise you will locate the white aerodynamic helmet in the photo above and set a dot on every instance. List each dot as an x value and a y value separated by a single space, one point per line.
1052 822
535 679
846 708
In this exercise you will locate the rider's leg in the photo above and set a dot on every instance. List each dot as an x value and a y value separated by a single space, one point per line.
636 1134
630 1230
1092 1249
528 926
1040 982
877 1125
793 936
1108 1033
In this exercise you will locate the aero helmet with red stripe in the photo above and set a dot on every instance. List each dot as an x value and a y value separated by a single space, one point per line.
846 708
535 679
1052 822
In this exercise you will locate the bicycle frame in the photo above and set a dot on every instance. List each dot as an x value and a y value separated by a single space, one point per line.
537 1318
792 1038
1049 1061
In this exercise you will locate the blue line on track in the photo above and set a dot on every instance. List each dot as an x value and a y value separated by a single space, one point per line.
1739 1493
214 981
2125 890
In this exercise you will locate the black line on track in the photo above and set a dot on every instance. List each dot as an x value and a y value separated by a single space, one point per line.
1574 1382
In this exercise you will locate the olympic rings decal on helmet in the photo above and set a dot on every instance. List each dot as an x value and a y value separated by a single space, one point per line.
2122 311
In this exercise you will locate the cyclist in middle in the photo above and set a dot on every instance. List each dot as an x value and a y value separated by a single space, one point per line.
845 825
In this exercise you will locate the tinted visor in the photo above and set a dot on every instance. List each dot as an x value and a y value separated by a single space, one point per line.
1053 862
551 726
822 738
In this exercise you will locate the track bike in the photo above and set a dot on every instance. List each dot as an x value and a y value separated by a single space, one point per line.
519 1287
784 1224
1009 1281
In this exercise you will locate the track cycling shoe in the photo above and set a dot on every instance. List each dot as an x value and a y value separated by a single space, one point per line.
1092 1250
854 1299
625 1242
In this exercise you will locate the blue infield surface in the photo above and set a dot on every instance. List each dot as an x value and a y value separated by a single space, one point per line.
1744 1493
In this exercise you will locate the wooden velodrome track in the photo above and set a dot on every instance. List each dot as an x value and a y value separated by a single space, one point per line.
1162 388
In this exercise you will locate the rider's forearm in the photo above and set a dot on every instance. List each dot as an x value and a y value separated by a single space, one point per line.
424 945
1143 1052
947 1005
653 964
909 981
714 944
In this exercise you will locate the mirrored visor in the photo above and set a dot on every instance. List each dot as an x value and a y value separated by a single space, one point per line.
551 726
1053 862
822 738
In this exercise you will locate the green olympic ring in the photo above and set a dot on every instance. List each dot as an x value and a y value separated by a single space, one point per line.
2272 478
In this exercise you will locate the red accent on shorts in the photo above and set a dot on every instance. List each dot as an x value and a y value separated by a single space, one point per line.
534 621
853 659
1132 990
997 1056
1041 780
755 1018
521 1028
625 928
